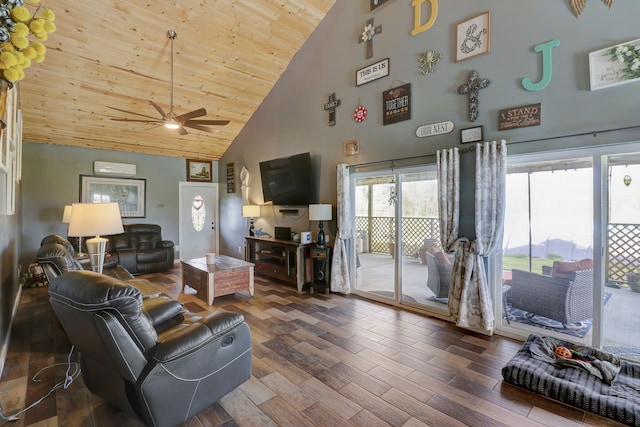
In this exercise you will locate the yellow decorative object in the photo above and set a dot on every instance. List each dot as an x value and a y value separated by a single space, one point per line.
19 20
578 6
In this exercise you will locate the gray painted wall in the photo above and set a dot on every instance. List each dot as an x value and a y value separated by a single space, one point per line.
51 181
292 120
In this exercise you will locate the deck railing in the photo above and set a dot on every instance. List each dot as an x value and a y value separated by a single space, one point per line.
376 234
623 254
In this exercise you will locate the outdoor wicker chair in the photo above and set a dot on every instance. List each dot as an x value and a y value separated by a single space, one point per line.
568 301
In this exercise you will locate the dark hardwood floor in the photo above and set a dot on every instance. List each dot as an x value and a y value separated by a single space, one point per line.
318 360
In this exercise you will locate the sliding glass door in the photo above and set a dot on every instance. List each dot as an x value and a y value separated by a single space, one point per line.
548 222
397 237
375 225
622 262
571 252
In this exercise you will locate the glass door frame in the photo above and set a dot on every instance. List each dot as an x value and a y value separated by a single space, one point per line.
386 171
599 156
397 173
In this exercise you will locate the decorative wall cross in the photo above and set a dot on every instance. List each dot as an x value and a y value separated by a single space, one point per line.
367 36
331 108
471 88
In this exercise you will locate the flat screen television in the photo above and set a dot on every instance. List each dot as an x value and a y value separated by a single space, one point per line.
288 181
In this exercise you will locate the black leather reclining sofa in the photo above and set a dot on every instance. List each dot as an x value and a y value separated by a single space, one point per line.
141 249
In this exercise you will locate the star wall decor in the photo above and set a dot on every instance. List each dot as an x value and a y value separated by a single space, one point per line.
578 5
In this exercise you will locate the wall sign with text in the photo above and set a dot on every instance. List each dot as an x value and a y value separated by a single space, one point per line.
473 134
519 117
396 104
435 129
372 72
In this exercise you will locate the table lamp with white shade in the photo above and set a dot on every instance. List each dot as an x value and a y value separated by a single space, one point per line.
251 212
95 219
321 212
66 219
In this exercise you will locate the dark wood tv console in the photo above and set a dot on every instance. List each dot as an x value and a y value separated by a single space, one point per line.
281 259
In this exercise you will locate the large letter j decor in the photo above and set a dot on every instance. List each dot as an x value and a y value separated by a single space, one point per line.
545 48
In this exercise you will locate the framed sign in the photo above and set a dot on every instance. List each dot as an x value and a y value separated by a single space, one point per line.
128 193
231 177
519 117
473 37
377 3
473 134
373 72
396 104
199 170
351 147
614 65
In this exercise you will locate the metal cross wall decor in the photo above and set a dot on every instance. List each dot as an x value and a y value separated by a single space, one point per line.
331 108
367 36
471 87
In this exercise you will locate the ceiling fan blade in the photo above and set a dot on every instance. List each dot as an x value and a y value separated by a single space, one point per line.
120 119
131 112
208 122
192 114
160 110
199 127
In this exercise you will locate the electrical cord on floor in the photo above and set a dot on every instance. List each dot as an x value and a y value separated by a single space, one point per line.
68 379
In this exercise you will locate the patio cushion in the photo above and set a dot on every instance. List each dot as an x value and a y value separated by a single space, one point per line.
567 269
440 256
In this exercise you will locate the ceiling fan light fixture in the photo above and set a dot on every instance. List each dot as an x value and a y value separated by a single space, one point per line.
170 119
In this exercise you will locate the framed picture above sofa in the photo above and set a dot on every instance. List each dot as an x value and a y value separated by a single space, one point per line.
129 193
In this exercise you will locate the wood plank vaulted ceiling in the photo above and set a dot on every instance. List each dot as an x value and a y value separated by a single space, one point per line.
228 54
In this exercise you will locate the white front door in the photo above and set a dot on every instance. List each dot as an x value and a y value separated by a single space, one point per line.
198 214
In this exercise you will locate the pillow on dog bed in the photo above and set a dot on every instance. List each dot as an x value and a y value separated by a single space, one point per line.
575 385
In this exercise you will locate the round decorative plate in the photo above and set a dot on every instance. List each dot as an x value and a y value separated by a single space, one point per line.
360 114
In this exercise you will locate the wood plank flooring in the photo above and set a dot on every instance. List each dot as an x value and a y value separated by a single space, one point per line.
318 360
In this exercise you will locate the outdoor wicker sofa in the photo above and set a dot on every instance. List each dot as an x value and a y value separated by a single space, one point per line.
566 300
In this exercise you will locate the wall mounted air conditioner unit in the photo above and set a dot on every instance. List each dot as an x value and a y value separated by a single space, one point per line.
110 168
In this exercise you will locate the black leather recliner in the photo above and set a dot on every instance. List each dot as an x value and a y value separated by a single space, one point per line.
141 249
56 256
150 357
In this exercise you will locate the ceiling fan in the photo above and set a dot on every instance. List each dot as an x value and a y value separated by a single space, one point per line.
171 120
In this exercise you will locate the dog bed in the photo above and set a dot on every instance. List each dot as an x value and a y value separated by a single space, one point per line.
614 395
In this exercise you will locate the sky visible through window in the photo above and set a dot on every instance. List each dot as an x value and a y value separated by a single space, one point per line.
562 205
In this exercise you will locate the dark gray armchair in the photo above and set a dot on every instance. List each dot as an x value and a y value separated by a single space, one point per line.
150 357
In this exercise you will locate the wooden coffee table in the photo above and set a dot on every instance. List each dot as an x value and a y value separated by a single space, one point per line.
226 276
